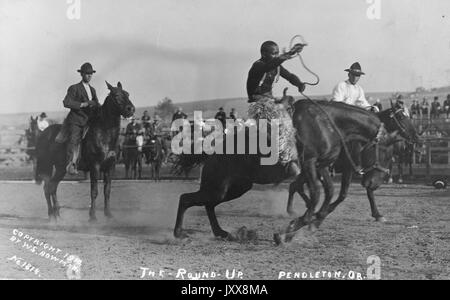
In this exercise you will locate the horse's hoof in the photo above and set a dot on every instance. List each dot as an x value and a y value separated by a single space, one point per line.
92 219
381 219
108 214
180 234
277 238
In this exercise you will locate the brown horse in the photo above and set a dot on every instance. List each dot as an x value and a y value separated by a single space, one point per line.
98 151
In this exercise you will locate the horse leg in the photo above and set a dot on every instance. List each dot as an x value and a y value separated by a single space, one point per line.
95 172
107 193
139 163
56 179
233 191
400 171
296 186
188 200
47 195
345 184
327 183
373 206
314 191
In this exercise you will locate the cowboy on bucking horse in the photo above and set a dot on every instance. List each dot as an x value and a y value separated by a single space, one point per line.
261 78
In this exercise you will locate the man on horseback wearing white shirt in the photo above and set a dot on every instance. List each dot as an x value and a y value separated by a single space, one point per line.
351 93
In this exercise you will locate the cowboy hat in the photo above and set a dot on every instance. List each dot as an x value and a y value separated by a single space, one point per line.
86 68
355 69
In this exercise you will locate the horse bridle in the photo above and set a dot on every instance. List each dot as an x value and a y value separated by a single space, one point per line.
393 116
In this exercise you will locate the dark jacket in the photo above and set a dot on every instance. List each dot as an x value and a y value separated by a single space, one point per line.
262 75
76 94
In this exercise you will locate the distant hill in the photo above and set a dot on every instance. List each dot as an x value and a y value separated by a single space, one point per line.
19 121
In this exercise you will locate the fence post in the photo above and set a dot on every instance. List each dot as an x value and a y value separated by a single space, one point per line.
448 153
428 151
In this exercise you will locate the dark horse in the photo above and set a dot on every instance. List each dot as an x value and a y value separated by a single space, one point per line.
376 160
227 177
98 151
154 155
394 121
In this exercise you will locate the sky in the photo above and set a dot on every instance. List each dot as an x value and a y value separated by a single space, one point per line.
191 50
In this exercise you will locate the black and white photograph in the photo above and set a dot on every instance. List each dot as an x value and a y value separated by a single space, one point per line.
216 141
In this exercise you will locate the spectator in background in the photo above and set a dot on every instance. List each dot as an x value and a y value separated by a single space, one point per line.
179 114
42 122
435 108
378 104
132 129
221 116
233 114
146 120
157 125
447 106
424 107
415 109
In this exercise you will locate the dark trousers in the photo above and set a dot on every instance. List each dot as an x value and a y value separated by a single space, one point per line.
73 147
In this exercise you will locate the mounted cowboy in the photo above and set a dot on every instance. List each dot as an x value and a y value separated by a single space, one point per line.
350 92
82 100
261 78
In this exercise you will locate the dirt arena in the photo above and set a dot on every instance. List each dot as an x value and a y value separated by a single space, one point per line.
414 243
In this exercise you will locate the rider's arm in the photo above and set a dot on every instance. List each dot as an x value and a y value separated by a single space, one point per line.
69 100
362 99
292 78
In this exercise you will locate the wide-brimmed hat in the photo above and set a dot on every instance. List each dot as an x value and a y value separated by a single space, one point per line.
86 68
355 69
43 115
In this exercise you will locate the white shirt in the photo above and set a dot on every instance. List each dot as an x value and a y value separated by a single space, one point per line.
88 90
352 94
42 124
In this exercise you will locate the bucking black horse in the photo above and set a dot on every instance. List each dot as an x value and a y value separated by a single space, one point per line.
323 130
97 150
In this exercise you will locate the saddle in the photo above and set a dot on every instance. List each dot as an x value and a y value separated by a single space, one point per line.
64 134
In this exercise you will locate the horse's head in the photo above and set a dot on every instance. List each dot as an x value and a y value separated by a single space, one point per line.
118 98
396 119
33 130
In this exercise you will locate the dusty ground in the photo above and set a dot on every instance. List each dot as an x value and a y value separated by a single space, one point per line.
413 244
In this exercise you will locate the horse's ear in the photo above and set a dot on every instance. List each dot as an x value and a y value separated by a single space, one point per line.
119 85
110 87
